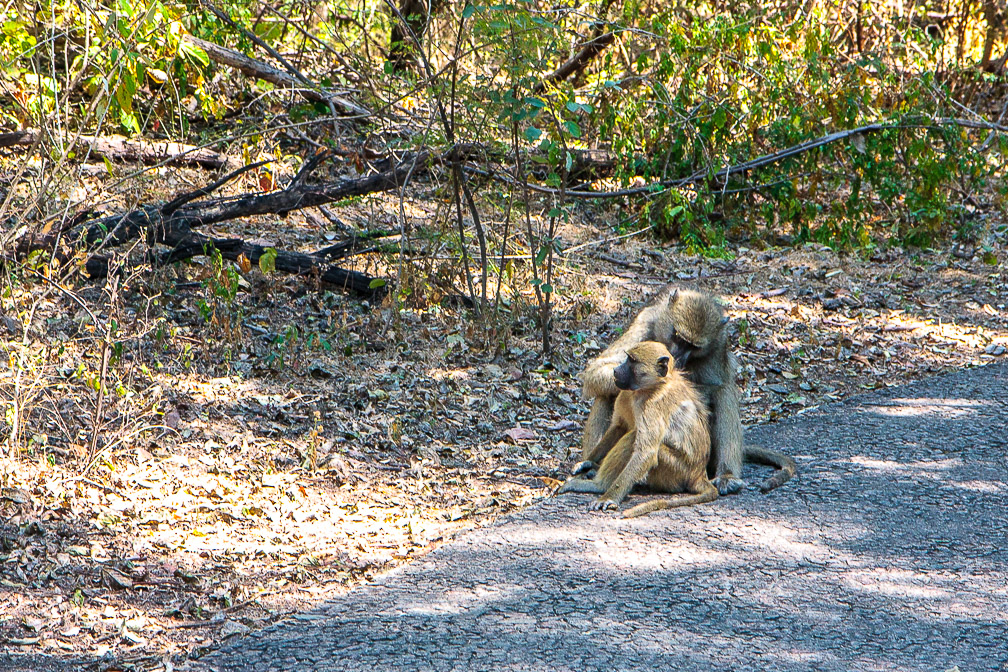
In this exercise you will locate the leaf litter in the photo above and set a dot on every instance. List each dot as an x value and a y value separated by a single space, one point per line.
242 478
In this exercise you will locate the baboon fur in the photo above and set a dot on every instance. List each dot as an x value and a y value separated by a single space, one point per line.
657 436
694 327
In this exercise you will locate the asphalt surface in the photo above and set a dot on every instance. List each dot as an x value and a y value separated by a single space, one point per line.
889 551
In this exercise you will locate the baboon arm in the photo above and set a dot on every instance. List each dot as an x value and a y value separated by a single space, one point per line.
606 443
598 379
642 460
599 419
580 485
726 430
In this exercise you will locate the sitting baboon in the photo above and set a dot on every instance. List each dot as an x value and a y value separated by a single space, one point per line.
694 328
657 435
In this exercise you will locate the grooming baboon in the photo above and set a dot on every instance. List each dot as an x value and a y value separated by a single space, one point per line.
657 435
694 327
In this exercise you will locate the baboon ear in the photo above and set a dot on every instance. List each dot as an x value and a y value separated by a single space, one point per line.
674 296
724 320
662 366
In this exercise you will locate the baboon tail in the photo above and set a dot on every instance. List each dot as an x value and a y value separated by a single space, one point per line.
786 467
671 503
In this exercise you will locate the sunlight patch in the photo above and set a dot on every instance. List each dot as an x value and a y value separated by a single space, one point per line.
909 408
892 466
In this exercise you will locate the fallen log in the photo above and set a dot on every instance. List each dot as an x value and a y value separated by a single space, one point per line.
162 222
174 223
192 244
253 67
120 148
576 63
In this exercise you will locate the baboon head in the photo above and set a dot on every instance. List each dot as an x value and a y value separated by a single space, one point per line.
645 366
693 324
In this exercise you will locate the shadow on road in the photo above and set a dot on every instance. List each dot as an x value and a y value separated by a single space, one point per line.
887 552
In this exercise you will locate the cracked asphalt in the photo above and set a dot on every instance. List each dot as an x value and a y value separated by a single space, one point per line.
889 551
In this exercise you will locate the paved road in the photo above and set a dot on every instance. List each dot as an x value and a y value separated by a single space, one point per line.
888 552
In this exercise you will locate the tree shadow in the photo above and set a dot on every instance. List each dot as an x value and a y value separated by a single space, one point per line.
885 553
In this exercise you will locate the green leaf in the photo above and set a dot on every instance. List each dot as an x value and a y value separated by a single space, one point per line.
576 107
532 133
193 53
573 129
267 262
547 288
129 121
376 283
541 255
720 117
468 11
555 212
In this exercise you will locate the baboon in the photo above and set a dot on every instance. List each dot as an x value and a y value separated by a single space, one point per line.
694 328
658 435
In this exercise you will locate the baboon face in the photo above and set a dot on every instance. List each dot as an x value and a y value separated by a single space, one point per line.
644 367
693 325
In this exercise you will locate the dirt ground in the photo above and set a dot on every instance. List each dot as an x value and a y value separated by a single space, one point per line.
253 455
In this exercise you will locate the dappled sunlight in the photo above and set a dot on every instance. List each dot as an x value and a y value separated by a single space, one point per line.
909 408
986 487
459 374
225 389
781 541
457 601
936 595
704 649
897 583
933 468
681 555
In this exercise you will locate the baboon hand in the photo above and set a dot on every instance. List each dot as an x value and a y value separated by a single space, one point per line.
602 504
728 484
582 468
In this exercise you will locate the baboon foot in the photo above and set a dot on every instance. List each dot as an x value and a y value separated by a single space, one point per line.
583 469
728 485
602 504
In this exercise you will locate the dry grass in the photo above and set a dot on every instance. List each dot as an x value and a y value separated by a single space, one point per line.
238 459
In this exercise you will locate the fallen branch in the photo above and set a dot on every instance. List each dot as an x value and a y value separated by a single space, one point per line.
174 223
721 177
120 148
159 225
288 262
255 68
577 62
192 244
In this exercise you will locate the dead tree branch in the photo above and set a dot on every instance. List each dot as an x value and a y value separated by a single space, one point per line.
119 148
577 62
255 68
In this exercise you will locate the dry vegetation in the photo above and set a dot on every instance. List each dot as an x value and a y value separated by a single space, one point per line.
197 449
249 457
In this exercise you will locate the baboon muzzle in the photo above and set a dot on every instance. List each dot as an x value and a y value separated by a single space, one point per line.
680 354
623 376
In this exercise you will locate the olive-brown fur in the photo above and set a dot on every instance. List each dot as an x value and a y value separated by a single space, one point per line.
658 436
694 327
